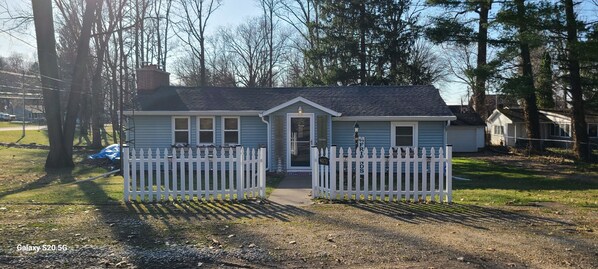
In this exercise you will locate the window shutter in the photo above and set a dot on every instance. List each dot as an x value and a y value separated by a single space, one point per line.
322 131
279 138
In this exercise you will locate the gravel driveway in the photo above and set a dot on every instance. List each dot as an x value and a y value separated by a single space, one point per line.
252 235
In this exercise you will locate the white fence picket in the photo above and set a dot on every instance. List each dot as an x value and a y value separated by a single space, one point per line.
413 174
186 174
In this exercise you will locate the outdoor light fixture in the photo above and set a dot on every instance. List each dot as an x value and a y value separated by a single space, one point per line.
300 110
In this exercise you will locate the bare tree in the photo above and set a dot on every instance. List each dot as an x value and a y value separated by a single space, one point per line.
196 14
248 44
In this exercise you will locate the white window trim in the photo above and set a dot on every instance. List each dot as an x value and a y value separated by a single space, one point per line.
393 132
174 130
562 129
197 120
498 127
589 129
312 133
238 130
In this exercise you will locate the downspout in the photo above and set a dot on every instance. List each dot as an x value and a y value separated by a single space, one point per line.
268 137
448 123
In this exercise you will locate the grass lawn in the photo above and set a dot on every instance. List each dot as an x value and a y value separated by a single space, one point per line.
4 124
40 137
25 181
494 183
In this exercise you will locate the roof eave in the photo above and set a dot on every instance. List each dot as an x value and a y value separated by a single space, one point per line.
192 113
304 100
395 118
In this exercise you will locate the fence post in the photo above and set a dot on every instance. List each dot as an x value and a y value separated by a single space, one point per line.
315 153
126 174
449 172
332 162
262 172
240 173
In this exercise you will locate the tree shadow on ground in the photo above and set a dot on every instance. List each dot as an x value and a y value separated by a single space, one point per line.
63 176
467 215
217 210
134 225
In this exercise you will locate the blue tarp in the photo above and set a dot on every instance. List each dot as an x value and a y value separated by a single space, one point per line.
111 152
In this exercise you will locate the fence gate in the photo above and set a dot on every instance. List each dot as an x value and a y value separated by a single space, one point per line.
188 174
402 173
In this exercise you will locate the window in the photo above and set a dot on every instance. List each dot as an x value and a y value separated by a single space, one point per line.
206 131
499 129
593 130
230 129
181 130
403 135
562 130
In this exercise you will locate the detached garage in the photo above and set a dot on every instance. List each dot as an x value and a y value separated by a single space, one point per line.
466 133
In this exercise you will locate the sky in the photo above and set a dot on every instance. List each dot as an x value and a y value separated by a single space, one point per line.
231 13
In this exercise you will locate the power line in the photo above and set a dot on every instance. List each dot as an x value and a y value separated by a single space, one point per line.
17 38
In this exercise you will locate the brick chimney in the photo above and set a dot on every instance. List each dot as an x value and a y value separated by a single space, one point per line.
150 77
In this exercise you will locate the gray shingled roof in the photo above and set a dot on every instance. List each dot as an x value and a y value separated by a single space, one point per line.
349 100
466 116
517 115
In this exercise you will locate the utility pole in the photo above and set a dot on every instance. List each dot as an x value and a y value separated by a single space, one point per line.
23 90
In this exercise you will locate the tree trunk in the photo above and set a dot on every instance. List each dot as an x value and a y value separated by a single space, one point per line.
530 108
479 89
202 61
77 85
578 120
97 96
48 68
362 49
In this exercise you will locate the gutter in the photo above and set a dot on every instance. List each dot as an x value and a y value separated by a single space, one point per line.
268 137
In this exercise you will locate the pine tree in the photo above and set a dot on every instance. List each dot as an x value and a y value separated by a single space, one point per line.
445 29
545 83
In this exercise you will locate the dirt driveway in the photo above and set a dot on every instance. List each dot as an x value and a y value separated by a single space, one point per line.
252 235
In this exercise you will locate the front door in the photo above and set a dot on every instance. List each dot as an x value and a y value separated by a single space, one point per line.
299 140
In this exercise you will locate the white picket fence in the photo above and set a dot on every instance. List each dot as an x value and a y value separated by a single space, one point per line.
403 173
201 173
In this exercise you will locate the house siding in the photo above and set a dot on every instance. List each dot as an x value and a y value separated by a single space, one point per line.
150 131
156 131
254 132
377 134
431 134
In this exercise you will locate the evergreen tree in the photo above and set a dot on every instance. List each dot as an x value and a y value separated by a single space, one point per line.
368 42
521 23
545 83
452 29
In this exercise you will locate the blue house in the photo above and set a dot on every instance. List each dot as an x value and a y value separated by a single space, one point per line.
287 121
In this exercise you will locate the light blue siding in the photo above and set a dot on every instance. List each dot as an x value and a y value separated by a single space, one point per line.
218 130
376 133
254 132
431 134
150 131
156 131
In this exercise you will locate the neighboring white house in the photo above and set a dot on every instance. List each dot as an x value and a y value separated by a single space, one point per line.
507 126
32 113
466 133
